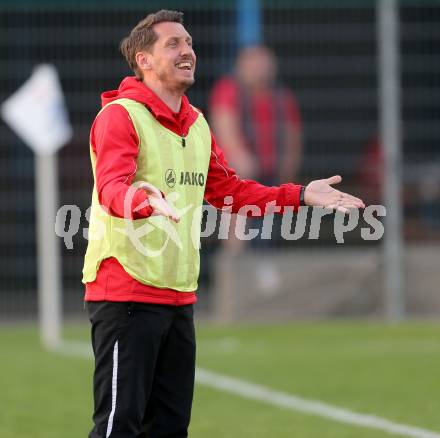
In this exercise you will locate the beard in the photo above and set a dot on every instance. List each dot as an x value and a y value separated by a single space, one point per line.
174 84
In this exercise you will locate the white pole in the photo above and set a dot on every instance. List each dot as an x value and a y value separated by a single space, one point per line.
390 135
37 113
49 284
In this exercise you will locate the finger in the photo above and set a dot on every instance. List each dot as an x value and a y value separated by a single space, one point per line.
352 198
351 201
169 215
161 207
358 204
349 206
343 209
335 179
174 216
150 189
339 206
354 202
159 210
172 213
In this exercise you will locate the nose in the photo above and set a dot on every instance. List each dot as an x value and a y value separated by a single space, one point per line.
187 50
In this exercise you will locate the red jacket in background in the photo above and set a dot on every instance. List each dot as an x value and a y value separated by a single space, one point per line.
263 110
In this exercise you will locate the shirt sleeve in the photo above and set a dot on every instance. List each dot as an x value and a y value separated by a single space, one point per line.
225 189
224 95
116 144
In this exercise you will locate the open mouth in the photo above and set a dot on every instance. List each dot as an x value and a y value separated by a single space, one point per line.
184 65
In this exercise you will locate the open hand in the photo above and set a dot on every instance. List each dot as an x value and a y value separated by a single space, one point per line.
320 193
160 206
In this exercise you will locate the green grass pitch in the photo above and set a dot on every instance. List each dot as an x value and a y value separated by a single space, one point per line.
367 367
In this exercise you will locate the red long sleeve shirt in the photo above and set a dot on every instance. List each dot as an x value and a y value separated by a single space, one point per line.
115 143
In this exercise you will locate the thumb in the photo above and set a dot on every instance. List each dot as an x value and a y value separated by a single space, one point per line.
150 189
335 179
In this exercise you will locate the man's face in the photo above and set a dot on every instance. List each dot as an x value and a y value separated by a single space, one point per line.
256 67
172 57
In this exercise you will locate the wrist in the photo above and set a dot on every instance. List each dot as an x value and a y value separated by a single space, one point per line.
302 195
140 205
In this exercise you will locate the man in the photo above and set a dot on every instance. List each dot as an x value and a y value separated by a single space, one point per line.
140 301
257 121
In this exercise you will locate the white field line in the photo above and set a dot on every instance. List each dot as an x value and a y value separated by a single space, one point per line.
281 399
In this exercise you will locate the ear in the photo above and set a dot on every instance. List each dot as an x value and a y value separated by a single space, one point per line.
143 60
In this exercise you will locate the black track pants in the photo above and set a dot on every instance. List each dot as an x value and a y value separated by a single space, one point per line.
144 369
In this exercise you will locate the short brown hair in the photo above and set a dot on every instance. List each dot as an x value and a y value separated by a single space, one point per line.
143 36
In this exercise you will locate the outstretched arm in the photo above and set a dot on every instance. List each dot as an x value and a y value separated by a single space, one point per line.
223 182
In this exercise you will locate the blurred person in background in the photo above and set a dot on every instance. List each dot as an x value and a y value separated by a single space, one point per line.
257 120
258 123
151 153
420 191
